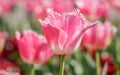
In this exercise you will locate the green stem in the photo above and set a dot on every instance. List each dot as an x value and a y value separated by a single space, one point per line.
32 70
62 62
98 69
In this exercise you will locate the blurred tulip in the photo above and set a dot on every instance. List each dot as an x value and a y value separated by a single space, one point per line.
3 72
63 5
37 7
8 66
10 52
98 37
5 6
94 9
115 3
111 67
10 48
33 48
83 5
106 61
64 31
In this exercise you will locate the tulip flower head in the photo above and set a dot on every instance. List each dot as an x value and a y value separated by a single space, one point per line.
106 61
33 48
8 66
64 31
63 5
111 66
115 3
5 6
94 9
99 37
37 7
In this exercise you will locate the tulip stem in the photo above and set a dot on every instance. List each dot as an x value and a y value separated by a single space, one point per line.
98 69
62 62
32 70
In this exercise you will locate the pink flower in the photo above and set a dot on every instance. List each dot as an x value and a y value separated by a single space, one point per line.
8 66
84 6
5 6
2 40
99 37
10 47
3 72
37 7
64 31
111 66
115 3
63 5
94 9
33 48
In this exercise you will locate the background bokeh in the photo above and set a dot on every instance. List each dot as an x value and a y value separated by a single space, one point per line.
19 15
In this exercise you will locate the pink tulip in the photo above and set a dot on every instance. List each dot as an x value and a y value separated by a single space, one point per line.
84 6
111 66
37 7
94 9
63 5
3 72
64 31
5 6
98 37
8 66
33 48
115 3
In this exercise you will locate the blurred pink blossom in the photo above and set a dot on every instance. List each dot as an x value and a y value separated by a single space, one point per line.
3 72
5 6
64 31
111 66
63 5
8 66
115 3
98 37
9 48
37 7
33 48
94 9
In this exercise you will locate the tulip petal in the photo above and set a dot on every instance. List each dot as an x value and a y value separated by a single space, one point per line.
75 40
55 36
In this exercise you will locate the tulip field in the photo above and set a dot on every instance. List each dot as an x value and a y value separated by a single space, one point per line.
59 37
